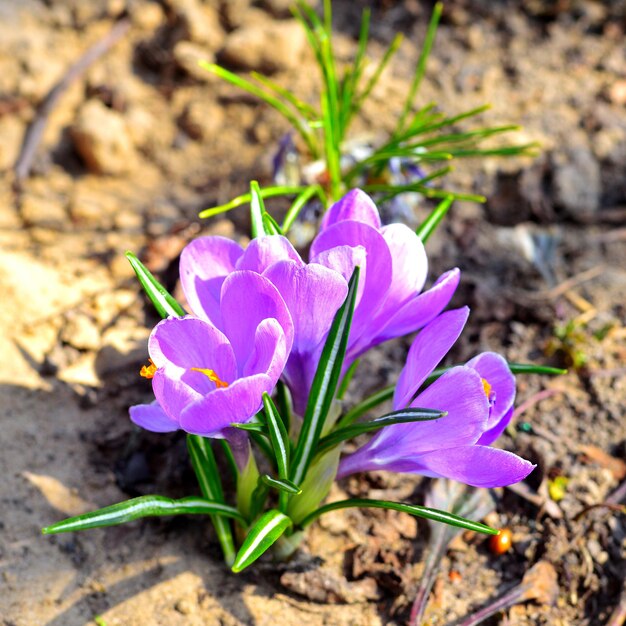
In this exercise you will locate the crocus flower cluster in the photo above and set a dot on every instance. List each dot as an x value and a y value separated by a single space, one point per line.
262 313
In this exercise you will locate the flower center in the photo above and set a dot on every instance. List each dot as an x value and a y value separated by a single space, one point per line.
212 376
148 371
486 387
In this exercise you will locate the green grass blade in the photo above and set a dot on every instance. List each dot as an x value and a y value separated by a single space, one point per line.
163 302
257 209
404 416
366 405
324 384
412 509
292 117
278 436
421 65
262 535
306 110
282 485
530 368
345 382
266 192
270 225
208 475
144 506
298 204
429 225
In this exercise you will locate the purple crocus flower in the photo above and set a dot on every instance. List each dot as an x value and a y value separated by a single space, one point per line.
478 398
393 272
208 373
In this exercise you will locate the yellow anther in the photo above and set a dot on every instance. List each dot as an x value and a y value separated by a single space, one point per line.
212 376
148 371
486 387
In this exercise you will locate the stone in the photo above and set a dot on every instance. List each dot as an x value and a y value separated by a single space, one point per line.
577 182
268 48
11 136
81 333
202 23
278 8
101 137
48 212
188 55
201 119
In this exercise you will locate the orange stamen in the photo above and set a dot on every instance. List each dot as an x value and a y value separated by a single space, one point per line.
486 387
148 371
212 376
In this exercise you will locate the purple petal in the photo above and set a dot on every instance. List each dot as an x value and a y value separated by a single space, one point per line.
178 344
421 310
264 251
174 394
238 402
313 294
427 350
269 353
489 436
478 466
204 264
248 299
376 272
152 417
495 370
356 205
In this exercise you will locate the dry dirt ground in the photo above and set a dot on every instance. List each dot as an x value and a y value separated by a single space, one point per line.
143 141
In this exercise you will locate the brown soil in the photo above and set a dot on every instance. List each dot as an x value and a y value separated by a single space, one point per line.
131 153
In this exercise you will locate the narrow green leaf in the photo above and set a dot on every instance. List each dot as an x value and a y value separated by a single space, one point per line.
278 436
257 209
251 427
299 203
421 64
270 225
293 117
345 382
429 225
412 509
208 475
306 110
285 403
281 485
366 405
324 383
262 535
267 192
164 303
403 416
530 368
144 506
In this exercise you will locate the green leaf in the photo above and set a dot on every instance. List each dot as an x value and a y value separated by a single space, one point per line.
345 382
266 192
412 509
299 203
164 303
144 506
306 110
281 485
429 225
366 405
530 368
324 383
403 416
257 209
262 535
278 436
270 225
251 427
208 475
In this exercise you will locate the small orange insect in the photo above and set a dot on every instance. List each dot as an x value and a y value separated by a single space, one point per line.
502 542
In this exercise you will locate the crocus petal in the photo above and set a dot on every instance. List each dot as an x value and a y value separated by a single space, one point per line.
178 344
376 272
356 205
264 251
495 370
237 403
204 264
269 353
313 294
489 436
152 417
248 299
428 349
409 264
478 466
420 310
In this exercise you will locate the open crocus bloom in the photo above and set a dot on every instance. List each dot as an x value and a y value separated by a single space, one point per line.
207 377
393 272
478 398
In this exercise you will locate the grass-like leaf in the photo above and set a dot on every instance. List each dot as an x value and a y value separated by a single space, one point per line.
261 536
324 384
531 368
412 509
163 302
366 405
403 416
144 506
278 436
282 485
299 203
429 225
257 209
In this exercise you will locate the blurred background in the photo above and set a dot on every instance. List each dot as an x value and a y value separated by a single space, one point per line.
113 139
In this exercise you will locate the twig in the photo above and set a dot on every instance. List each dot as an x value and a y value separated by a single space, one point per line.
35 131
618 495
